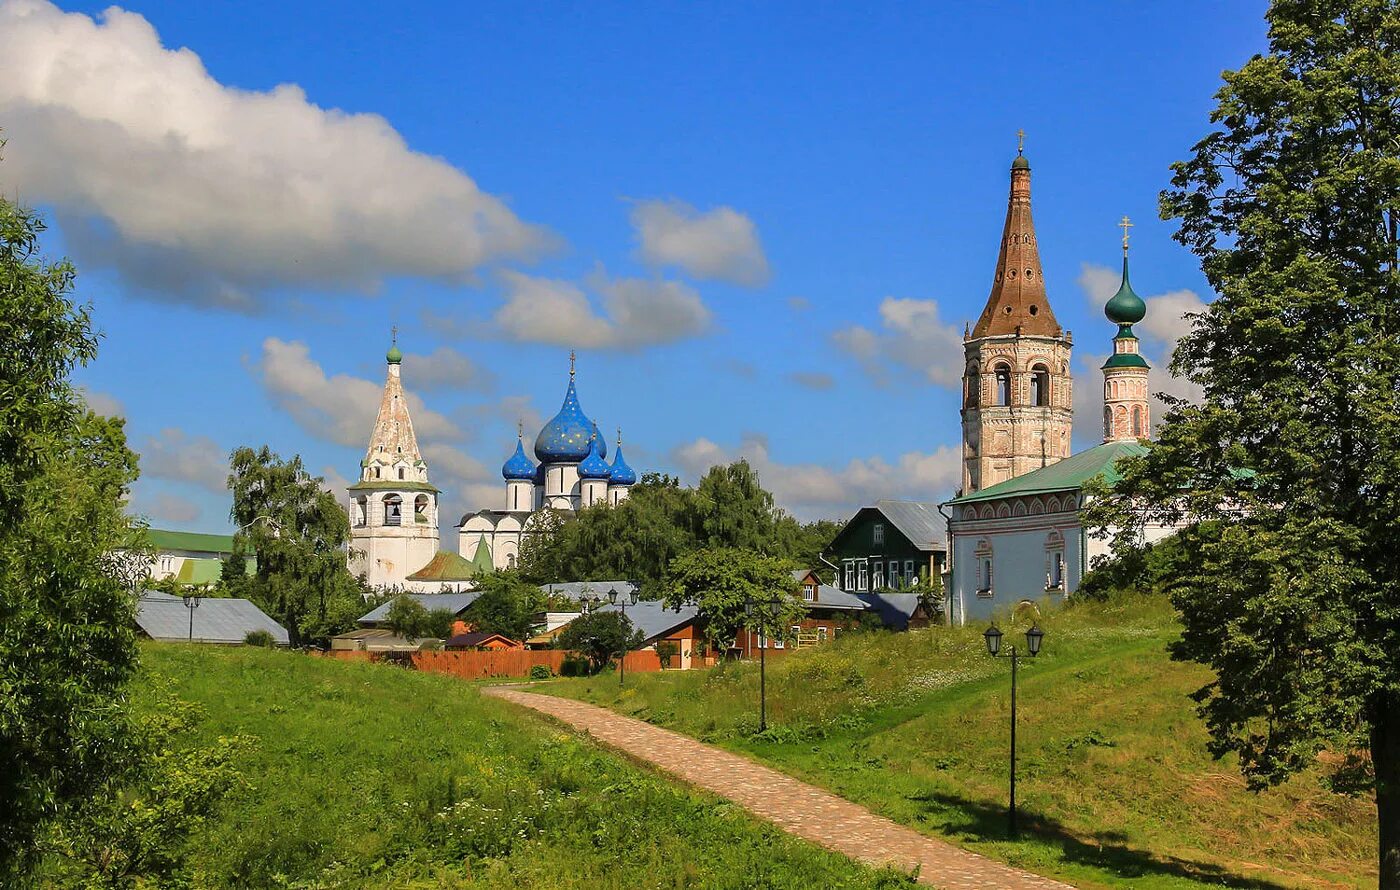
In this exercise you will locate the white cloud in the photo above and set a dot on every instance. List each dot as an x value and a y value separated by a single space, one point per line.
811 490
1166 321
912 337
813 380
337 485
636 312
720 244
163 507
102 403
445 368
338 408
204 193
197 460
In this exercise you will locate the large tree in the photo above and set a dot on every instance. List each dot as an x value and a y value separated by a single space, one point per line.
734 588
67 643
1287 471
298 532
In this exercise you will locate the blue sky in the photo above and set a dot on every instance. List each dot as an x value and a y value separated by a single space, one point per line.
762 225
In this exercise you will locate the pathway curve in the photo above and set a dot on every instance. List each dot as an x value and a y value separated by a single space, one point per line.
796 807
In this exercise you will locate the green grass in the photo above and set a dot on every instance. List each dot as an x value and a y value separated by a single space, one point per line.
373 776
1114 782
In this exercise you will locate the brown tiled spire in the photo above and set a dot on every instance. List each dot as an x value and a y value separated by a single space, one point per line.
1018 303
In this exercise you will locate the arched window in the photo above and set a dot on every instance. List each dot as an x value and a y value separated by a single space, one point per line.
1003 385
1137 421
400 472
420 508
974 388
361 511
1107 422
1040 386
393 510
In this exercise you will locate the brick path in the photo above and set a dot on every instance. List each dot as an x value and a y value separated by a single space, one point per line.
796 807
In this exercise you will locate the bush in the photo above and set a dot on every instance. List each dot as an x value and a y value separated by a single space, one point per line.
259 638
541 672
667 650
574 666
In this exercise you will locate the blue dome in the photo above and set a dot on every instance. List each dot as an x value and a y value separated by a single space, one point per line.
566 437
593 466
519 466
621 473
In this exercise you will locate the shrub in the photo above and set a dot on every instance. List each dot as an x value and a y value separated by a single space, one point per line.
259 638
574 667
541 672
667 650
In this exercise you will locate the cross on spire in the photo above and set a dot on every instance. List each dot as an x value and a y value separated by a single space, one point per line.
1020 142
519 428
394 334
619 437
1125 224
572 356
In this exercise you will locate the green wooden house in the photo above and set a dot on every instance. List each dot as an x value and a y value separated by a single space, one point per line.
889 546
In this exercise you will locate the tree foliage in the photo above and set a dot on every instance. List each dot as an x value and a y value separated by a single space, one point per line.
298 532
412 620
506 605
1288 470
722 581
599 635
67 609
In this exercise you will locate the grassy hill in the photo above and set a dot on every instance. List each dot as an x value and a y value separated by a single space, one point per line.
1114 781
373 776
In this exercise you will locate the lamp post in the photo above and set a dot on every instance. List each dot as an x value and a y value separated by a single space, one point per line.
765 611
191 603
612 598
993 637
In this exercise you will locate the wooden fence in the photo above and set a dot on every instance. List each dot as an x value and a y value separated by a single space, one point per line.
474 665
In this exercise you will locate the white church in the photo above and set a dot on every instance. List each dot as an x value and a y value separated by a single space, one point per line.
1015 529
394 536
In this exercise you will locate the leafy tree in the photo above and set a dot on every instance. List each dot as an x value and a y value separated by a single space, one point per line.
721 581
1287 472
804 543
67 608
506 605
411 620
600 635
298 532
732 509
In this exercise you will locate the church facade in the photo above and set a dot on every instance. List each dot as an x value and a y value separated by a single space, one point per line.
1015 529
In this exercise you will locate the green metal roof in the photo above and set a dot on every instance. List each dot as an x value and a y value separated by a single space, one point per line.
200 572
1126 360
481 560
162 539
445 566
392 485
1067 475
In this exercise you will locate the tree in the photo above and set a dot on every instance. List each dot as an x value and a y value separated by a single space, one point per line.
1286 473
600 635
411 620
66 605
506 605
298 532
721 581
732 509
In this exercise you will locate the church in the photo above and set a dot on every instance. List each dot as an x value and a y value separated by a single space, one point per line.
1015 529
394 532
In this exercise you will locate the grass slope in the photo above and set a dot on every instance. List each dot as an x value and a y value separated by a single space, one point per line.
373 776
1114 782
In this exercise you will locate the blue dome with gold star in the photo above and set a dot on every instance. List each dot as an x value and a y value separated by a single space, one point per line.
519 467
593 466
621 473
565 438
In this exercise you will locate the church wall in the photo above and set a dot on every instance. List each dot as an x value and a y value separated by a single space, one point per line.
1021 548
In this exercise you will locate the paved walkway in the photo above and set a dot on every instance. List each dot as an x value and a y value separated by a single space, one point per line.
796 807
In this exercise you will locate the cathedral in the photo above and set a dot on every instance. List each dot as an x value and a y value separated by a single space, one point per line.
1015 529
394 537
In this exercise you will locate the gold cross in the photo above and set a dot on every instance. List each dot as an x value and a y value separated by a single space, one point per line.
520 427
394 333
1125 225
619 437
1020 141
571 362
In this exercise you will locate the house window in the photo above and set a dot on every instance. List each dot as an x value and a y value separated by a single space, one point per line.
400 472
910 574
1003 374
809 592
821 634
863 580
778 642
879 576
984 576
1055 576
879 534
850 565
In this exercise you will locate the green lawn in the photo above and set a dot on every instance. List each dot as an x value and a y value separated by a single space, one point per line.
1115 785
373 776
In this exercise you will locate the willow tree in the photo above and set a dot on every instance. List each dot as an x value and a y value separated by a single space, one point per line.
1287 470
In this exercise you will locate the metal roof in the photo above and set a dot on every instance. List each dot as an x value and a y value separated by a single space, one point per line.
452 602
653 619
894 609
829 597
576 590
217 620
918 521
198 542
1069 474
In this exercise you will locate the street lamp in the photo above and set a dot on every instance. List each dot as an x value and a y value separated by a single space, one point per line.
612 598
765 611
1033 638
191 603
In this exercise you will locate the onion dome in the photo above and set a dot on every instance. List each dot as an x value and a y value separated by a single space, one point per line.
593 466
622 474
519 467
1125 307
565 439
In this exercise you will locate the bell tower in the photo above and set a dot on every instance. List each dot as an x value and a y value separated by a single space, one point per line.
1017 394
1126 408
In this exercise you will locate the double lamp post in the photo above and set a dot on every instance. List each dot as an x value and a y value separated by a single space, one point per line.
993 637
622 602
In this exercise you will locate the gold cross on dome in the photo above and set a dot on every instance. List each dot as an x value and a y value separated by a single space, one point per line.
1020 141
572 356
619 437
520 428
1125 224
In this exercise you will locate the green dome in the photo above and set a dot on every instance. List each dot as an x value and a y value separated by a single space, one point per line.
394 356
1125 307
1020 163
